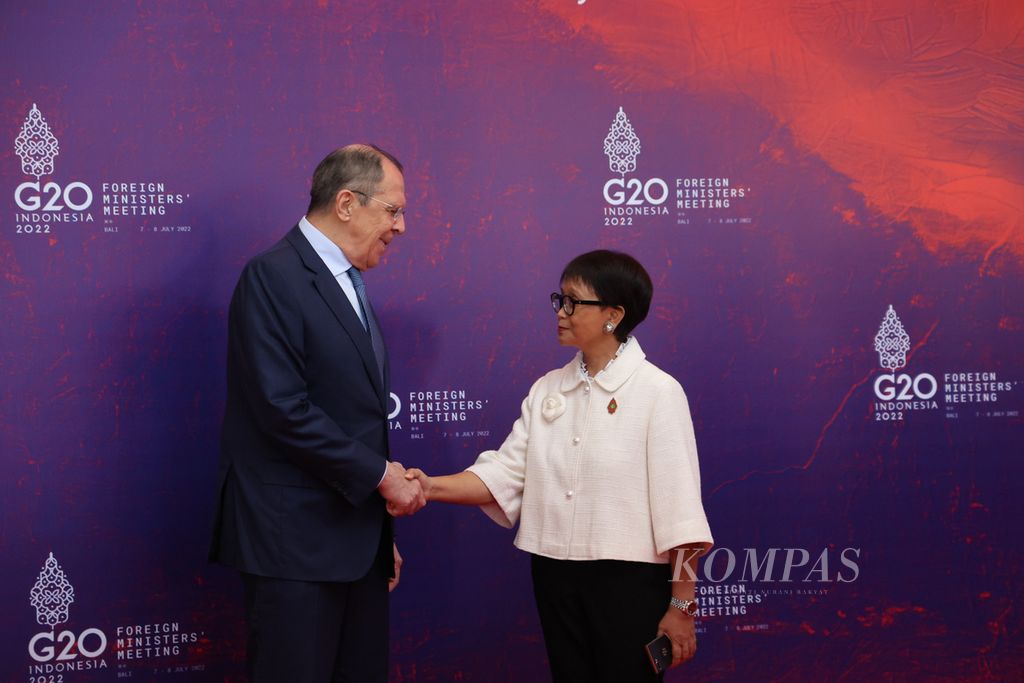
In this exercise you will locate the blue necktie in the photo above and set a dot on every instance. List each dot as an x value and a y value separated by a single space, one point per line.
369 319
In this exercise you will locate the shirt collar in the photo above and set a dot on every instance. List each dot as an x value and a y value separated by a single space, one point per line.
328 251
613 376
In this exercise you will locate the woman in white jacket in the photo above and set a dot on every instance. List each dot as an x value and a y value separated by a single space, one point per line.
601 473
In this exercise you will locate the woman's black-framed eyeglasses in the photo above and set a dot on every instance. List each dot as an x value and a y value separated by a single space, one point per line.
569 304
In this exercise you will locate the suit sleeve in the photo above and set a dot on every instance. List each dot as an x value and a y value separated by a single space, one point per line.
266 341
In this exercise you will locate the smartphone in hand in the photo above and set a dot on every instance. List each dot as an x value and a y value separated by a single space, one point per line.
659 651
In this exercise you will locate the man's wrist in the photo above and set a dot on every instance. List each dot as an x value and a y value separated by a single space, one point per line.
384 475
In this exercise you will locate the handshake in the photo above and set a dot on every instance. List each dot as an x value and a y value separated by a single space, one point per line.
406 491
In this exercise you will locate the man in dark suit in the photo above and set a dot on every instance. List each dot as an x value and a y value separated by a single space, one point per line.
305 481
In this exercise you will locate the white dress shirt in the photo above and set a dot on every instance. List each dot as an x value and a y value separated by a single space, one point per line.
587 480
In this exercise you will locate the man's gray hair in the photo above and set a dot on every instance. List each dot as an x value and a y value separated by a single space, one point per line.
353 167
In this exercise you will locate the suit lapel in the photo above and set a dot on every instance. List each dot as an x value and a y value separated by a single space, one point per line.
336 300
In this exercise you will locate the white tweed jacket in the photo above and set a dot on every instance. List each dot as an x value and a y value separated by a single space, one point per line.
600 469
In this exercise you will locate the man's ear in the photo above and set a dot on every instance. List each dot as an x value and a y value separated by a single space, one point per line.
343 204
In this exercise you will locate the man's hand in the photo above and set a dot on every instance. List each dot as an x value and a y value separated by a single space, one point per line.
680 630
403 497
393 582
416 474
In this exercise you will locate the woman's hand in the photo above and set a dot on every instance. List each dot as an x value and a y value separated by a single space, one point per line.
680 630
463 488
421 476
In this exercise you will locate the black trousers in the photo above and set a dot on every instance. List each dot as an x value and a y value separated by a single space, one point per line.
313 632
597 616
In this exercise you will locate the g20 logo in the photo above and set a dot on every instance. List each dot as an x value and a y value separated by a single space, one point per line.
76 196
903 387
66 646
634 192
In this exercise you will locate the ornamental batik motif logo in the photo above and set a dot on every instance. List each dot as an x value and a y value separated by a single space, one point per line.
621 145
52 594
892 342
900 391
61 648
627 199
36 145
54 651
44 205
632 201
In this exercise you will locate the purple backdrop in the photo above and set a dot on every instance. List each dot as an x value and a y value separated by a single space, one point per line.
786 175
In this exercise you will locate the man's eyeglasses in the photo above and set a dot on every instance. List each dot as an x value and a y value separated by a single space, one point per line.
395 211
568 304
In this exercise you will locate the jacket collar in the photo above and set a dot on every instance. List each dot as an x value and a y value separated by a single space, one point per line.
329 252
613 377
306 252
328 288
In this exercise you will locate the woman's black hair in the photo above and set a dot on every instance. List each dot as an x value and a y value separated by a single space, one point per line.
617 279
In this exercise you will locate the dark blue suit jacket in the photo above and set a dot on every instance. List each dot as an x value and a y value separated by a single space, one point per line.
305 434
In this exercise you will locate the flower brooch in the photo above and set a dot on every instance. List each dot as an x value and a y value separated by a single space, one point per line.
552 407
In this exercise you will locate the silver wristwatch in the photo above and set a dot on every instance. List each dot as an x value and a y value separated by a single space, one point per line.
688 607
